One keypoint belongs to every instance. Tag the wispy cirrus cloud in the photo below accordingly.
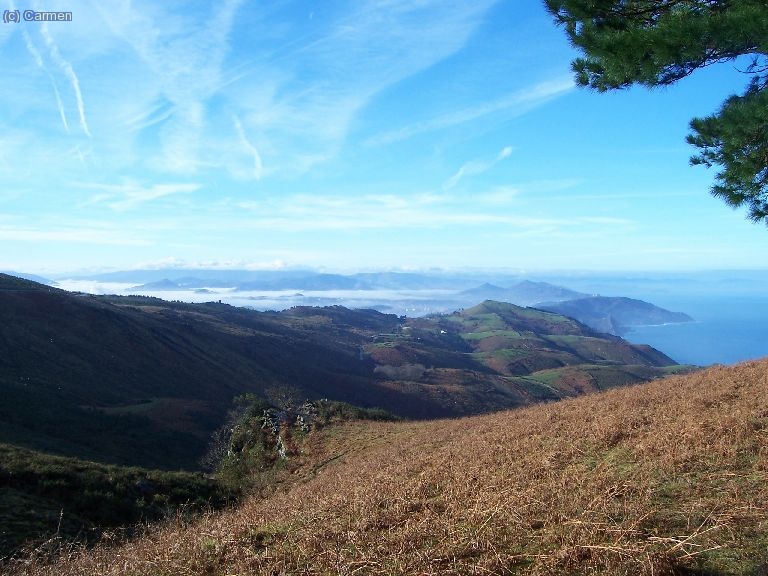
(250, 149)
(69, 72)
(38, 59)
(122, 197)
(313, 87)
(515, 104)
(533, 191)
(77, 234)
(499, 195)
(62, 65)
(426, 210)
(176, 78)
(181, 58)
(298, 93)
(475, 167)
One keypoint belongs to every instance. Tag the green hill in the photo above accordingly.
(501, 355)
(142, 381)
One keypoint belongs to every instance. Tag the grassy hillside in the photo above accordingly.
(141, 381)
(44, 496)
(670, 477)
(51, 502)
(498, 355)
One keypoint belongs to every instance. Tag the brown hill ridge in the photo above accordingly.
(668, 477)
(141, 381)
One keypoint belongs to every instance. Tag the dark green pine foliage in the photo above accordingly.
(658, 42)
(737, 139)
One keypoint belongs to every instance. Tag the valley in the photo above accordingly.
(373, 288)
(142, 385)
(664, 478)
(143, 381)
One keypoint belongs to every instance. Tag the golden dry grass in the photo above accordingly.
(644, 480)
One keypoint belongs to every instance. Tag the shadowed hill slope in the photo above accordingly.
(142, 381)
(670, 477)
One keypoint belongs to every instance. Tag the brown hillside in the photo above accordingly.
(141, 381)
(668, 477)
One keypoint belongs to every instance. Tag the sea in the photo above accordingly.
(726, 330)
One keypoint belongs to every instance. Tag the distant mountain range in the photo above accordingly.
(139, 380)
(283, 279)
(525, 293)
(612, 315)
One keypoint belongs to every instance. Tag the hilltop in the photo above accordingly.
(142, 381)
(615, 315)
(664, 478)
(525, 293)
(503, 356)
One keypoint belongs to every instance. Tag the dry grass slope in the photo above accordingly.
(664, 478)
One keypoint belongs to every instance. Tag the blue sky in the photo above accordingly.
(344, 135)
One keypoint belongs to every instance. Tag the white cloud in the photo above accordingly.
(182, 56)
(122, 197)
(141, 118)
(515, 104)
(317, 85)
(258, 167)
(36, 56)
(174, 262)
(302, 213)
(70, 235)
(476, 167)
(502, 195)
(157, 86)
(68, 71)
